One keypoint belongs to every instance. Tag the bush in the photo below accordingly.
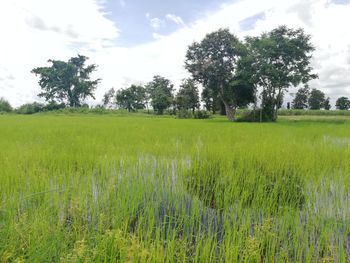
(201, 114)
(54, 106)
(31, 108)
(5, 106)
(252, 116)
(184, 114)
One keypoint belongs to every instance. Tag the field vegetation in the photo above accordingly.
(125, 188)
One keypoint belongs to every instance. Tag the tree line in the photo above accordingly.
(231, 73)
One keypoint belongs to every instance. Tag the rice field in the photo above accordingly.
(107, 188)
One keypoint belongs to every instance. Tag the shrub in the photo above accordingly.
(184, 114)
(54, 106)
(254, 116)
(31, 108)
(201, 114)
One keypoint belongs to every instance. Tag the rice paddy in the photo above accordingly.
(108, 188)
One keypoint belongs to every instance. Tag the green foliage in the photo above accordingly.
(327, 104)
(187, 97)
(119, 188)
(343, 103)
(30, 108)
(160, 90)
(133, 98)
(108, 98)
(184, 114)
(316, 99)
(220, 64)
(67, 82)
(300, 101)
(252, 116)
(5, 106)
(201, 114)
(281, 58)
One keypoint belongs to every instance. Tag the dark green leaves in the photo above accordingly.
(67, 82)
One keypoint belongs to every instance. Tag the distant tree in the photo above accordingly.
(343, 103)
(218, 63)
(207, 98)
(282, 59)
(108, 98)
(327, 104)
(300, 101)
(187, 96)
(31, 108)
(67, 82)
(5, 106)
(316, 99)
(132, 98)
(211, 101)
(160, 92)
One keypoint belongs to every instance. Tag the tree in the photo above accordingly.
(316, 99)
(281, 59)
(132, 98)
(108, 98)
(188, 96)
(327, 104)
(343, 103)
(301, 98)
(217, 63)
(211, 102)
(160, 92)
(5, 106)
(67, 82)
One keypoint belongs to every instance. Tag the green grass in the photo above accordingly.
(109, 188)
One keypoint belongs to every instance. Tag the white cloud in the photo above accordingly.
(176, 19)
(41, 30)
(156, 23)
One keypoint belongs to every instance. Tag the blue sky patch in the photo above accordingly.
(250, 22)
(142, 21)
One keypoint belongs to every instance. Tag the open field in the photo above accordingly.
(103, 188)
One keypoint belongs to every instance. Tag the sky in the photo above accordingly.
(133, 40)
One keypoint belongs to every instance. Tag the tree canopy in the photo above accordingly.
(316, 99)
(132, 98)
(217, 62)
(160, 91)
(342, 103)
(281, 58)
(108, 98)
(5, 106)
(67, 82)
(187, 96)
(300, 101)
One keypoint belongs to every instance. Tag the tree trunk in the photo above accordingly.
(230, 112)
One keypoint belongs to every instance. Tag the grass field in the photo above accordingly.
(90, 188)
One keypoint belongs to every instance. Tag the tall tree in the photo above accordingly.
(300, 101)
(343, 103)
(108, 98)
(281, 59)
(132, 98)
(160, 92)
(187, 96)
(215, 63)
(327, 104)
(67, 82)
(316, 99)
